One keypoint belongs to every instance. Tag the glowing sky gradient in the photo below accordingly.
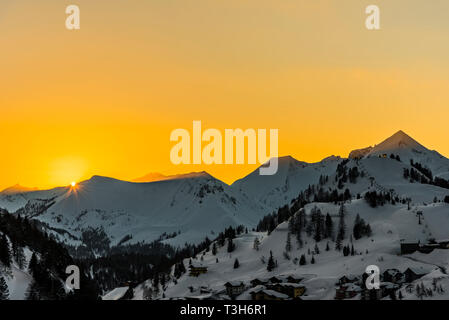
(104, 99)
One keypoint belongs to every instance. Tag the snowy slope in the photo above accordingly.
(390, 224)
(195, 204)
(15, 201)
(199, 205)
(292, 177)
(408, 149)
(17, 279)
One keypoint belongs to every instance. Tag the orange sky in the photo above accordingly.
(104, 99)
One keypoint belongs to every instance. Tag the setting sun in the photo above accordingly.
(73, 184)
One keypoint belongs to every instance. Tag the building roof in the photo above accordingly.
(234, 284)
(351, 287)
(392, 272)
(257, 289)
(350, 277)
(275, 294)
(260, 279)
(416, 270)
(289, 284)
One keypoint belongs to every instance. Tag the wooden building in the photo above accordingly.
(347, 291)
(412, 274)
(293, 290)
(195, 271)
(234, 288)
(266, 294)
(393, 276)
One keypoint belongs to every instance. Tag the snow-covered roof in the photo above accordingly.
(289, 284)
(418, 270)
(275, 294)
(234, 283)
(261, 279)
(392, 272)
(257, 289)
(351, 287)
(350, 277)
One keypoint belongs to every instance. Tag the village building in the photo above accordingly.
(196, 270)
(371, 294)
(295, 278)
(385, 289)
(408, 247)
(348, 279)
(293, 290)
(258, 281)
(411, 274)
(260, 293)
(347, 291)
(277, 279)
(234, 288)
(393, 275)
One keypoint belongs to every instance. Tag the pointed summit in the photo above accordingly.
(399, 140)
(398, 143)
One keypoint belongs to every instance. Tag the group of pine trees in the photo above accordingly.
(321, 227)
(421, 174)
(47, 264)
(344, 174)
(375, 199)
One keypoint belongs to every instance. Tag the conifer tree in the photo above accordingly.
(341, 227)
(271, 265)
(288, 243)
(236, 264)
(329, 227)
(18, 254)
(5, 253)
(4, 292)
(231, 245)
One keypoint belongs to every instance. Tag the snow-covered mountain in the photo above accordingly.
(198, 205)
(407, 149)
(389, 224)
(17, 188)
(292, 177)
(195, 204)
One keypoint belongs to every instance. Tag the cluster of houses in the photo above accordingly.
(408, 246)
(350, 286)
(274, 288)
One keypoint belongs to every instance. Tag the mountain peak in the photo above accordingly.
(17, 188)
(400, 140)
(397, 142)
